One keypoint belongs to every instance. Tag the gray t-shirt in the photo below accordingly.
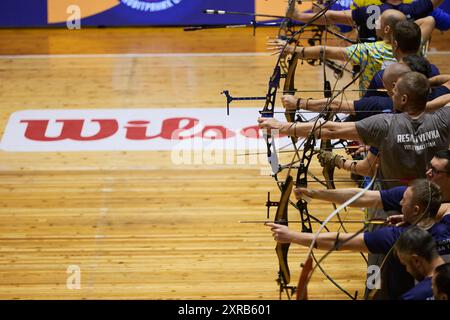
(406, 145)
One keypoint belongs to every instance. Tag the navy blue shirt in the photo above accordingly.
(367, 107)
(377, 82)
(437, 92)
(415, 10)
(421, 291)
(372, 105)
(391, 198)
(442, 19)
(396, 281)
(382, 240)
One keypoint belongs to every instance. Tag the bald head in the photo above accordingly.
(390, 17)
(392, 73)
(386, 22)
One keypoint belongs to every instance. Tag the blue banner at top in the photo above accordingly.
(39, 13)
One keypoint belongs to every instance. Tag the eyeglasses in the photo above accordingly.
(434, 170)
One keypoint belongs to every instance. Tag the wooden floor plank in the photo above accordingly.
(139, 226)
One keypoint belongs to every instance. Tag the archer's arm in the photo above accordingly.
(315, 52)
(317, 105)
(328, 130)
(370, 199)
(437, 103)
(439, 80)
(365, 167)
(325, 241)
(330, 17)
(426, 25)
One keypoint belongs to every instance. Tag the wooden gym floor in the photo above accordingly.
(138, 226)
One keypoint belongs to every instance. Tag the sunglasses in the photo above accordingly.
(434, 170)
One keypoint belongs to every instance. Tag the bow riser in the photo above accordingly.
(282, 215)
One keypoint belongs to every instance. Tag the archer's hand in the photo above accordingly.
(328, 158)
(280, 233)
(290, 102)
(396, 220)
(270, 124)
(303, 193)
(278, 46)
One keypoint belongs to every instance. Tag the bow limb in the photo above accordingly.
(289, 87)
(268, 112)
(288, 70)
(274, 83)
(281, 215)
(308, 270)
(289, 63)
(282, 249)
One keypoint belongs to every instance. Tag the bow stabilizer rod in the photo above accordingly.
(231, 99)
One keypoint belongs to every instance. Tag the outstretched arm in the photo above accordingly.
(437, 103)
(314, 52)
(439, 80)
(365, 167)
(330, 17)
(426, 25)
(370, 199)
(327, 130)
(325, 241)
(338, 105)
(335, 130)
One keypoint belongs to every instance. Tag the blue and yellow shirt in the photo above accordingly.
(372, 56)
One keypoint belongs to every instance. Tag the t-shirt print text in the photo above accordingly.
(419, 142)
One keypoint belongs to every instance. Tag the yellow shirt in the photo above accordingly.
(372, 56)
(365, 3)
